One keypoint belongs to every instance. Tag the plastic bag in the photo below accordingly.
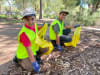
(40, 40)
(75, 38)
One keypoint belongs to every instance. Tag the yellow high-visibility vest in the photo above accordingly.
(21, 50)
(52, 34)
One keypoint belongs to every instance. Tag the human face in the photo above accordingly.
(30, 20)
(62, 16)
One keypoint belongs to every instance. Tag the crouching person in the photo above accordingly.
(28, 53)
(59, 31)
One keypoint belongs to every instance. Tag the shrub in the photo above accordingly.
(82, 17)
(15, 16)
(3, 16)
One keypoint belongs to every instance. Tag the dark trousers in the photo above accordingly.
(63, 38)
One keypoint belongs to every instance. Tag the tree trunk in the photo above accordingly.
(97, 4)
(40, 9)
(10, 7)
(23, 4)
(0, 8)
(95, 7)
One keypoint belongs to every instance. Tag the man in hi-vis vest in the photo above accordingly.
(27, 54)
(58, 35)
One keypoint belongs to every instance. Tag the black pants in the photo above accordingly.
(63, 38)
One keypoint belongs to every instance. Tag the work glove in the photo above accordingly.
(36, 66)
(78, 25)
(59, 48)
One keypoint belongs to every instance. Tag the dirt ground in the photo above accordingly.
(82, 60)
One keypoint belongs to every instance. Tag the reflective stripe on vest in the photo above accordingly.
(21, 50)
(51, 31)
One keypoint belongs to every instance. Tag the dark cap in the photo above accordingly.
(64, 11)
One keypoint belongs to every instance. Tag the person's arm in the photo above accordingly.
(56, 30)
(35, 64)
(58, 43)
(69, 26)
(57, 39)
(30, 54)
(72, 26)
(26, 42)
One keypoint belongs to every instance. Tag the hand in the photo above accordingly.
(59, 48)
(75, 26)
(36, 66)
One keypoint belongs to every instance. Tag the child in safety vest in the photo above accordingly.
(28, 53)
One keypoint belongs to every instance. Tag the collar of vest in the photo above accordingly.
(36, 30)
(25, 29)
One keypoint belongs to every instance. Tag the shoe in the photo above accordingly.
(15, 60)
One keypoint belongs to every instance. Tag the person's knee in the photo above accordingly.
(68, 39)
(66, 31)
(26, 64)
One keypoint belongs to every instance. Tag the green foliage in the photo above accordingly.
(82, 17)
(50, 16)
(51, 8)
(93, 1)
(15, 16)
(16, 21)
(3, 16)
(69, 4)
